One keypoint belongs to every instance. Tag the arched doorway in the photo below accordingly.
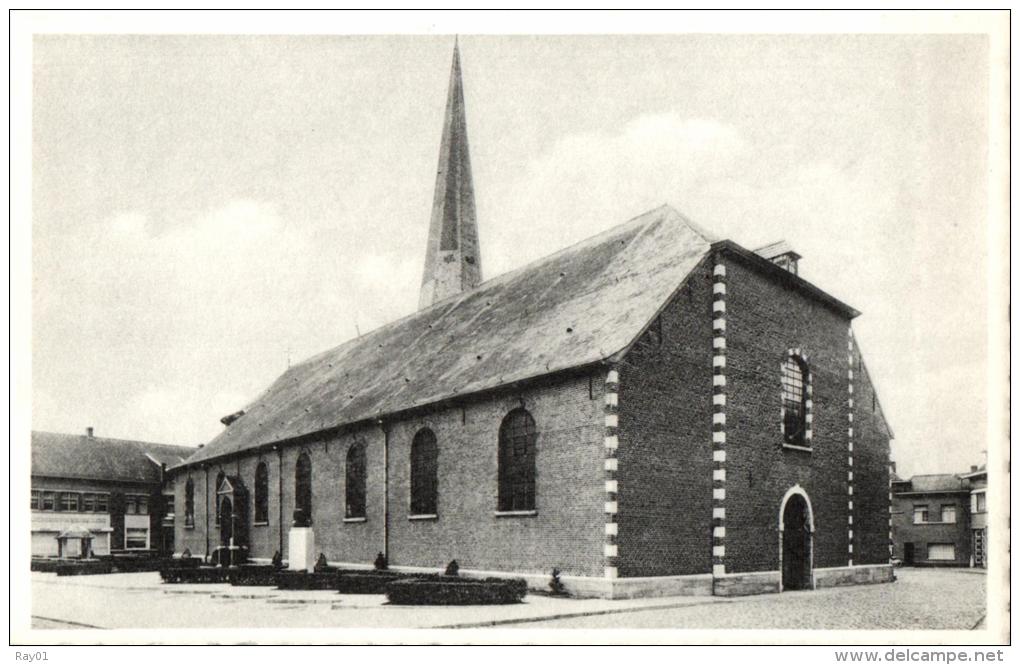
(226, 521)
(795, 534)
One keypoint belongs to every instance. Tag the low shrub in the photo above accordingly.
(299, 580)
(374, 581)
(87, 567)
(253, 575)
(200, 575)
(45, 565)
(456, 591)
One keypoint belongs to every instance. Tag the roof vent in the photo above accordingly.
(88, 432)
(781, 254)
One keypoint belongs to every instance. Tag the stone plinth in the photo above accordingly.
(301, 551)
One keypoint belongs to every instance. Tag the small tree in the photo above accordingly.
(320, 564)
(556, 585)
(186, 554)
(381, 563)
(452, 569)
(277, 560)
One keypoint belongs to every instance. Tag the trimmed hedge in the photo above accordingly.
(299, 580)
(45, 565)
(253, 575)
(201, 575)
(449, 590)
(374, 581)
(90, 567)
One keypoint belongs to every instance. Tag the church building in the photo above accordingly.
(652, 411)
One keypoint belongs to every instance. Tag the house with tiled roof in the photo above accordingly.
(106, 493)
(652, 411)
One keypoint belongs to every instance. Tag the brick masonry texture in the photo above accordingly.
(567, 532)
(665, 453)
(764, 320)
(921, 535)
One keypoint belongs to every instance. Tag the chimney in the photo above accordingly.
(780, 253)
(88, 432)
(973, 468)
(892, 465)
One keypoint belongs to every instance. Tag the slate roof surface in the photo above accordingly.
(937, 482)
(575, 307)
(79, 456)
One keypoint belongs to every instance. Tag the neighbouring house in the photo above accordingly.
(651, 411)
(940, 520)
(98, 496)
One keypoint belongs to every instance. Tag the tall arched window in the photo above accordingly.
(424, 474)
(261, 493)
(517, 461)
(303, 489)
(795, 381)
(355, 481)
(189, 503)
(216, 488)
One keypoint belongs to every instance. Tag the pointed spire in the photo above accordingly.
(452, 263)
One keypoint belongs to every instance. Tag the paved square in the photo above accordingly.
(919, 599)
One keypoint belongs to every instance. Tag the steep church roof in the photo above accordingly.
(578, 306)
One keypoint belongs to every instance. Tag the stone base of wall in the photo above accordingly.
(747, 584)
(868, 574)
(580, 586)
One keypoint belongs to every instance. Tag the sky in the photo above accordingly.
(208, 209)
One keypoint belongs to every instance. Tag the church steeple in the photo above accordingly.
(452, 263)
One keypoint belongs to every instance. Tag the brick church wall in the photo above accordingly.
(566, 533)
(765, 319)
(665, 454)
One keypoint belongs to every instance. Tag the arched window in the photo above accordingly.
(216, 488)
(517, 461)
(261, 493)
(303, 489)
(189, 503)
(424, 474)
(355, 481)
(795, 381)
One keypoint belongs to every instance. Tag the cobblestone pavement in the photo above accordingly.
(920, 599)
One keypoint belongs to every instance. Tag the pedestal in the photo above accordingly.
(301, 551)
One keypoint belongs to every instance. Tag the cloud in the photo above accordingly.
(588, 182)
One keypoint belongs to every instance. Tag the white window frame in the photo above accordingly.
(947, 547)
(135, 528)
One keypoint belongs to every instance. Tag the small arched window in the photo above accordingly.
(517, 437)
(355, 482)
(303, 489)
(261, 493)
(216, 488)
(189, 503)
(795, 382)
(424, 474)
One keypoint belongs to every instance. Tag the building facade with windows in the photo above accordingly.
(652, 411)
(938, 519)
(110, 494)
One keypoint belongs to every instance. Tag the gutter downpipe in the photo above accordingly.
(279, 452)
(386, 488)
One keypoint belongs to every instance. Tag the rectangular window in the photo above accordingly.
(102, 503)
(88, 503)
(136, 539)
(143, 504)
(949, 514)
(980, 503)
(69, 501)
(941, 552)
(36, 500)
(168, 505)
(920, 514)
(49, 501)
(130, 508)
